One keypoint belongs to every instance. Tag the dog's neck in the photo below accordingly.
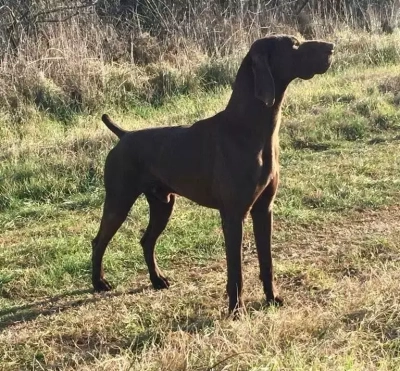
(246, 110)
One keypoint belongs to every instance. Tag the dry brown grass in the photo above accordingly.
(339, 279)
(92, 61)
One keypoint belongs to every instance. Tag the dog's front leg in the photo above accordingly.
(261, 214)
(232, 226)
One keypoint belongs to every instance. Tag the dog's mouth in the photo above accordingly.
(327, 58)
(326, 62)
(317, 62)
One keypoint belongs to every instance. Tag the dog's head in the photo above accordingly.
(284, 58)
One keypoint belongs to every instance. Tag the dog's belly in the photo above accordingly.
(202, 200)
(191, 180)
(193, 189)
(196, 193)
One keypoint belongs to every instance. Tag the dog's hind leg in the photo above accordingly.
(116, 209)
(160, 213)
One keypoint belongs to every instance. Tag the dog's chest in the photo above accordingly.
(267, 166)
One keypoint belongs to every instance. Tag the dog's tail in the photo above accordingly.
(119, 132)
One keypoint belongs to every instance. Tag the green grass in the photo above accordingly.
(336, 244)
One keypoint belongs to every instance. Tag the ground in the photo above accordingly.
(335, 245)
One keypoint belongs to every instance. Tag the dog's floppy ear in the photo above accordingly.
(264, 86)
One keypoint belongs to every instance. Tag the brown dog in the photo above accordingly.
(227, 162)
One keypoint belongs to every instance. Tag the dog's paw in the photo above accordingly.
(237, 313)
(276, 301)
(237, 310)
(159, 282)
(101, 285)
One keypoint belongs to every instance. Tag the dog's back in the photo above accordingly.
(155, 156)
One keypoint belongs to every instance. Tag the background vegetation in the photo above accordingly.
(158, 63)
(63, 58)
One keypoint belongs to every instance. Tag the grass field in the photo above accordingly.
(336, 244)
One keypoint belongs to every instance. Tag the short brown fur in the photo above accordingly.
(227, 162)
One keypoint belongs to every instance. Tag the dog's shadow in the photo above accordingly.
(193, 324)
(55, 304)
(136, 342)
